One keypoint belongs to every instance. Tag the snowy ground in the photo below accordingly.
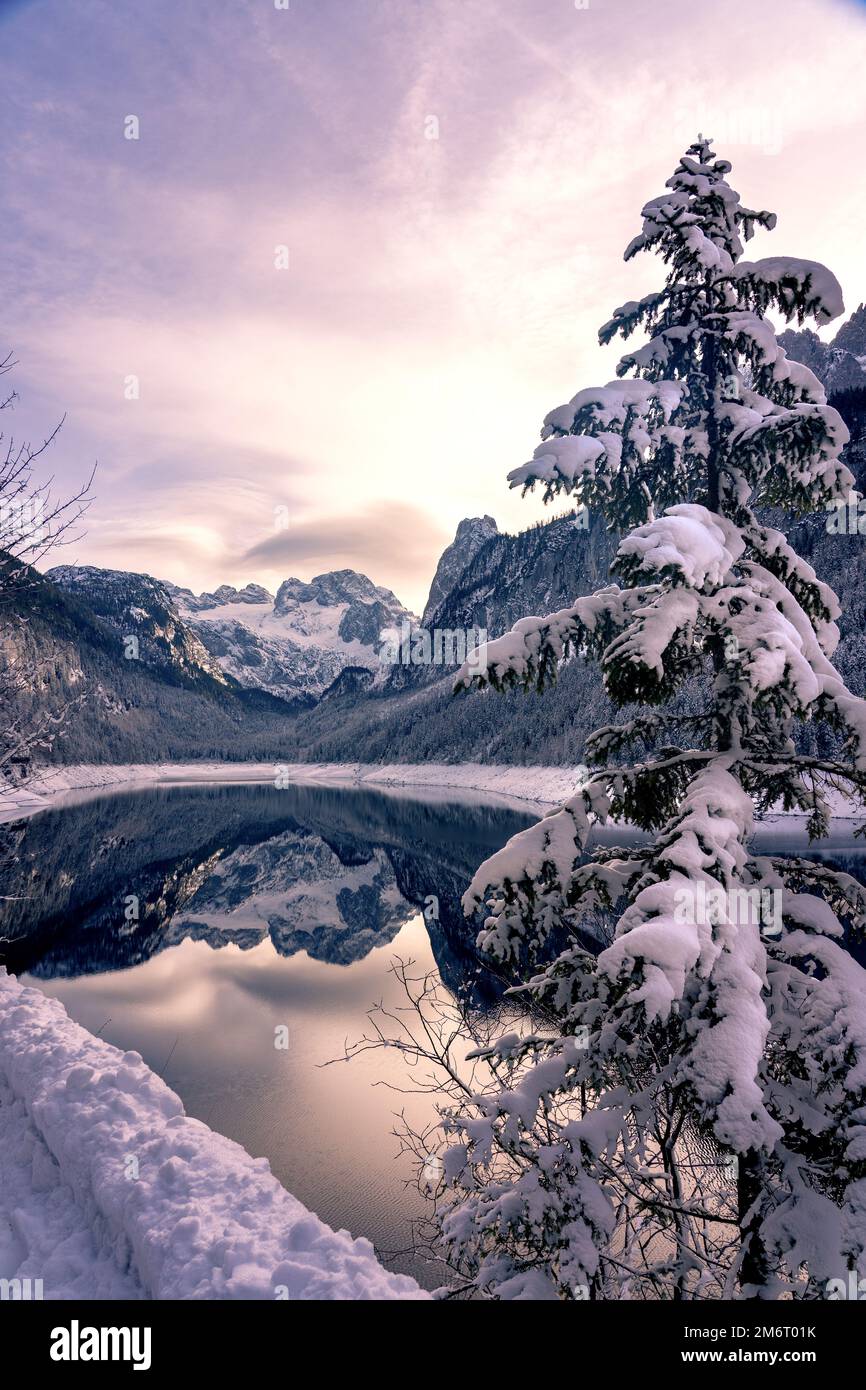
(107, 1190)
(541, 787)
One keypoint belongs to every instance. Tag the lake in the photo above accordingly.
(189, 923)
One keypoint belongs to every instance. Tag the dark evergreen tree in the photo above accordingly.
(691, 1121)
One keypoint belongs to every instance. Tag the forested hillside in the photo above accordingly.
(114, 709)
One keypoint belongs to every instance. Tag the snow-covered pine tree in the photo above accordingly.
(690, 1121)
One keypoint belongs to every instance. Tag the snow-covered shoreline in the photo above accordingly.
(541, 786)
(529, 786)
(108, 1190)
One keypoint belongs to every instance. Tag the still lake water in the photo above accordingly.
(258, 909)
(261, 909)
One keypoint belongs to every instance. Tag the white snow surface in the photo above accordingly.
(108, 1190)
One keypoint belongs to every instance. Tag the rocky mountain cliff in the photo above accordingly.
(473, 533)
(140, 612)
(126, 680)
(841, 364)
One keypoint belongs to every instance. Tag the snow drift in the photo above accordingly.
(156, 1203)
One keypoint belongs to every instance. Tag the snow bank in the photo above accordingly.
(127, 1197)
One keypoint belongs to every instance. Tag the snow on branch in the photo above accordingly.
(530, 653)
(592, 435)
(690, 544)
(525, 882)
(796, 287)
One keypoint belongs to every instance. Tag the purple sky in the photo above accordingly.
(442, 293)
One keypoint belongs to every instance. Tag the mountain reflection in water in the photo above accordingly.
(331, 872)
(189, 923)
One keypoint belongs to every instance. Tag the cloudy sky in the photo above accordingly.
(315, 312)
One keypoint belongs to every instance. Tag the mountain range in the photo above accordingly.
(296, 643)
(158, 672)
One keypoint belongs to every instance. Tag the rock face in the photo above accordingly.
(298, 642)
(473, 533)
(141, 611)
(509, 577)
(840, 365)
(852, 335)
(536, 571)
(352, 680)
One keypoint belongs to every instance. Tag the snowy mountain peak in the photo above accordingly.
(334, 587)
(225, 594)
(298, 642)
(141, 607)
(472, 533)
(293, 646)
